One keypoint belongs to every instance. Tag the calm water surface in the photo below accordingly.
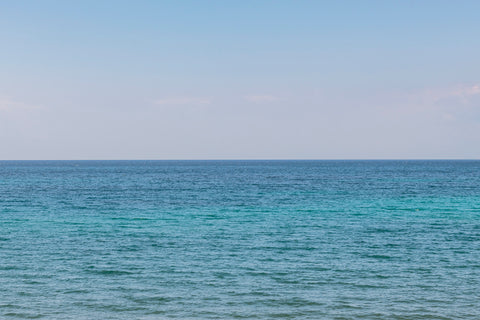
(240, 239)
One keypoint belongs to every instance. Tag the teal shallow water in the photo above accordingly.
(240, 239)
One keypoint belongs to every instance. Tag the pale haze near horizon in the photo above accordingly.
(239, 80)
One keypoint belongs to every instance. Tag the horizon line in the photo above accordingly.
(266, 159)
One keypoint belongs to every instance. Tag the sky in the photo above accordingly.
(239, 79)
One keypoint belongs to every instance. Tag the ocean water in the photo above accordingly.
(240, 240)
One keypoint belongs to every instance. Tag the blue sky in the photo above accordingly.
(239, 79)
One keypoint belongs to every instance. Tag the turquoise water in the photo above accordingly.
(240, 239)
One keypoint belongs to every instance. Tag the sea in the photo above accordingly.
(240, 239)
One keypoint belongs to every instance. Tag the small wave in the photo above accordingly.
(23, 315)
(109, 272)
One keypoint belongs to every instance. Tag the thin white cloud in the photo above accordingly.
(175, 101)
(467, 90)
(461, 92)
(9, 104)
(260, 98)
(447, 117)
(458, 102)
